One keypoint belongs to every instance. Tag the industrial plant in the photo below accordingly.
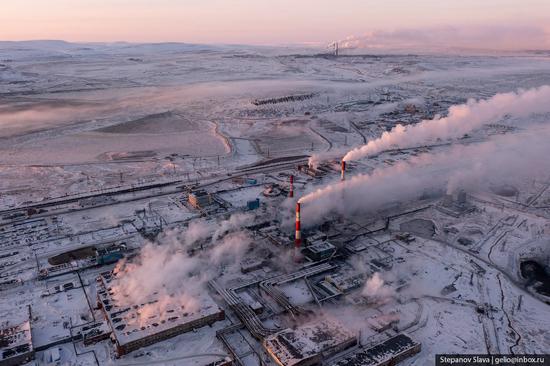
(133, 327)
(234, 206)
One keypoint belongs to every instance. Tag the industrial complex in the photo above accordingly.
(267, 208)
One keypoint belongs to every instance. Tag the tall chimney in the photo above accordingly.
(298, 237)
(343, 171)
(291, 190)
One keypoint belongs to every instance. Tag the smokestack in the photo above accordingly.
(298, 237)
(291, 190)
(343, 171)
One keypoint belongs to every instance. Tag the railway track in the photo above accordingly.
(59, 201)
(77, 197)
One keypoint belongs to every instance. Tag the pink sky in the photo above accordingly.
(268, 21)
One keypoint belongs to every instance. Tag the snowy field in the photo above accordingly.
(171, 108)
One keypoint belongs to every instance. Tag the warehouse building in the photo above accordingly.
(390, 352)
(200, 199)
(308, 344)
(319, 250)
(131, 330)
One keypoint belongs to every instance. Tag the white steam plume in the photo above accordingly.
(461, 119)
(506, 159)
(376, 290)
(197, 230)
(169, 273)
(315, 159)
(236, 221)
(446, 38)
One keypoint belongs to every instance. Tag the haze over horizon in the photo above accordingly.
(491, 24)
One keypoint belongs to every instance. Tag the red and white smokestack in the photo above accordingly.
(343, 171)
(291, 190)
(298, 237)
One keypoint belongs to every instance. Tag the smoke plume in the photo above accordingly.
(234, 222)
(503, 37)
(197, 230)
(376, 290)
(502, 160)
(460, 120)
(169, 273)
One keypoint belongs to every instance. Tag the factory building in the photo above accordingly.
(388, 353)
(327, 168)
(383, 322)
(345, 283)
(16, 345)
(456, 205)
(253, 204)
(199, 199)
(130, 331)
(308, 344)
(319, 250)
(316, 172)
(252, 264)
(94, 333)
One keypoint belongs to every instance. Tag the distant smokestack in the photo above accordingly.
(343, 171)
(298, 237)
(291, 190)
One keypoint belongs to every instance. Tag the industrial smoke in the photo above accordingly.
(460, 120)
(502, 160)
(376, 290)
(169, 272)
(298, 234)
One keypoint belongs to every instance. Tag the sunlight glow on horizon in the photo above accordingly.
(252, 21)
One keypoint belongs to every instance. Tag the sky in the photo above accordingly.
(275, 21)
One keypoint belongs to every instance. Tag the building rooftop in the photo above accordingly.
(346, 282)
(15, 341)
(155, 315)
(398, 346)
(292, 346)
(199, 193)
(320, 246)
